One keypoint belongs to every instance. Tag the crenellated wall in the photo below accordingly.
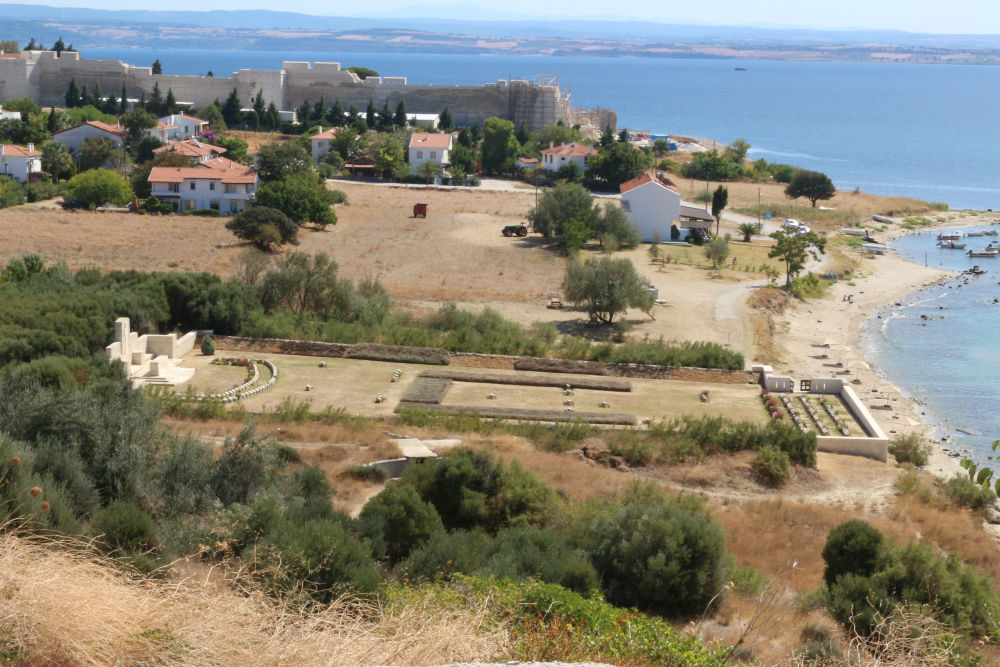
(44, 77)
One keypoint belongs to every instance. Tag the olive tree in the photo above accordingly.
(607, 287)
(717, 251)
(794, 250)
(100, 186)
(265, 226)
(812, 185)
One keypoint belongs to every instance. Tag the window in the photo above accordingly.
(626, 206)
(173, 187)
(191, 185)
(214, 205)
(230, 188)
(211, 185)
(434, 155)
(420, 155)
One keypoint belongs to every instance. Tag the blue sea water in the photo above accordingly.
(924, 131)
(939, 345)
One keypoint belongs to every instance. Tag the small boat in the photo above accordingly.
(875, 248)
(984, 253)
(977, 233)
(883, 218)
(949, 236)
(975, 271)
(740, 69)
(951, 245)
(989, 232)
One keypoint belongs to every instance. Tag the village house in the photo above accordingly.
(219, 184)
(427, 147)
(9, 115)
(526, 163)
(180, 126)
(653, 204)
(197, 152)
(321, 142)
(20, 162)
(73, 137)
(555, 157)
(161, 131)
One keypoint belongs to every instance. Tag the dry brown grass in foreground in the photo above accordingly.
(64, 605)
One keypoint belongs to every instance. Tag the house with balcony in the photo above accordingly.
(429, 147)
(555, 157)
(220, 184)
(22, 163)
(161, 131)
(180, 126)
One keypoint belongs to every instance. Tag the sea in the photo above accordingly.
(939, 344)
(923, 131)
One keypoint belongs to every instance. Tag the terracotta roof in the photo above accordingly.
(429, 140)
(181, 174)
(160, 125)
(646, 178)
(184, 115)
(190, 148)
(527, 160)
(326, 134)
(571, 150)
(222, 163)
(100, 125)
(13, 150)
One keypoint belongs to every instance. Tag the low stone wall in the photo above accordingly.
(305, 348)
(872, 448)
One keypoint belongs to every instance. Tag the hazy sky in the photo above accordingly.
(960, 16)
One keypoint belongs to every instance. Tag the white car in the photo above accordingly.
(794, 225)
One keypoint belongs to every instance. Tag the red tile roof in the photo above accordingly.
(190, 148)
(326, 134)
(428, 140)
(184, 115)
(180, 174)
(646, 178)
(571, 150)
(13, 150)
(100, 125)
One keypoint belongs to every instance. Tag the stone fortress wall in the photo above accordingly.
(44, 77)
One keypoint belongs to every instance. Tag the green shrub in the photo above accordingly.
(910, 448)
(851, 548)
(124, 526)
(659, 556)
(365, 473)
(772, 465)
(446, 554)
(401, 519)
(42, 190)
(205, 212)
(965, 493)
(207, 346)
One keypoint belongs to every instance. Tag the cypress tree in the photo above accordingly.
(72, 96)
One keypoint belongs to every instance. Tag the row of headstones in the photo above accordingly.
(243, 391)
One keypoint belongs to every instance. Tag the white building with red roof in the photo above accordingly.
(429, 147)
(322, 142)
(20, 162)
(72, 138)
(555, 157)
(653, 204)
(181, 126)
(220, 184)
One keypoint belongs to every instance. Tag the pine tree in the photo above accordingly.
(59, 47)
(170, 106)
(370, 115)
(445, 121)
(319, 111)
(384, 116)
(336, 115)
(399, 120)
(72, 96)
(98, 98)
(273, 119)
(258, 104)
(156, 101)
(157, 67)
(231, 108)
(51, 124)
(85, 96)
(123, 107)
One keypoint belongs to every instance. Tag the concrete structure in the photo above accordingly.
(427, 121)
(151, 358)
(197, 152)
(44, 77)
(874, 444)
(321, 142)
(555, 158)
(220, 184)
(72, 138)
(180, 126)
(526, 163)
(20, 162)
(9, 115)
(652, 204)
(426, 147)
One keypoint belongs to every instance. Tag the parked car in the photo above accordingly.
(793, 225)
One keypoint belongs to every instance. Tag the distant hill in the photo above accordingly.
(290, 31)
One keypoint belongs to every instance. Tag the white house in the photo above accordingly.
(180, 126)
(321, 142)
(9, 115)
(73, 137)
(526, 163)
(220, 184)
(20, 162)
(426, 120)
(197, 152)
(653, 204)
(161, 131)
(427, 147)
(555, 158)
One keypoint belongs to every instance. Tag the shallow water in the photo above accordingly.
(940, 344)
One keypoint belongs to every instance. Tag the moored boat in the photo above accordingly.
(949, 236)
(987, 252)
(975, 271)
(883, 218)
(951, 245)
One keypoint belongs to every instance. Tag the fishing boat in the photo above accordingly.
(986, 252)
(951, 245)
(949, 236)
(990, 232)
(975, 271)
(976, 233)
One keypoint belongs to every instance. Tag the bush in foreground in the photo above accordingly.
(910, 448)
(772, 465)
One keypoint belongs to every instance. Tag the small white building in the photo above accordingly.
(180, 126)
(72, 138)
(9, 115)
(425, 120)
(20, 162)
(653, 204)
(526, 163)
(161, 131)
(220, 184)
(429, 147)
(321, 142)
(555, 157)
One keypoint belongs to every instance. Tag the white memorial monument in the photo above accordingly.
(151, 358)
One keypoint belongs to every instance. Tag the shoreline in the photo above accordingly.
(832, 321)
